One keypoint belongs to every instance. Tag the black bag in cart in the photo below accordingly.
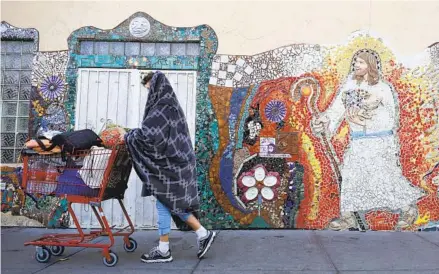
(77, 140)
(72, 141)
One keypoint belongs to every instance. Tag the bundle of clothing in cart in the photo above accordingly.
(71, 162)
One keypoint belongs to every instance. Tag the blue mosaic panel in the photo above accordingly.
(138, 48)
(87, 48)
(27, 47)
(117, 48)
(192, 49)
(132, 49)
(101, 48)
(178, 49)
(9, 109)
(147, 49)
(163, 49)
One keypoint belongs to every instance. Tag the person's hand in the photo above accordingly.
(319, 124)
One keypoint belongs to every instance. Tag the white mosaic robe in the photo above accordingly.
(371, 174)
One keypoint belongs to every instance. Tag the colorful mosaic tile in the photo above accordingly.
(49, 92)
(49, 211)
(241, 71)
(353, 132)
(338, 149)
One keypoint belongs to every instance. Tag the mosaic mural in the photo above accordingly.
(27, 209)
(304, 136)
(49, 93)
(324, 137)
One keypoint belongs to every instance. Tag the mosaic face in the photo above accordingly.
(361, 67)
(139, 27)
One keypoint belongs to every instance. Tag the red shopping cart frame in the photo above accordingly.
(86, 177)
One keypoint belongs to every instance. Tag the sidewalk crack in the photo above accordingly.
(417, 234)
(322, 247)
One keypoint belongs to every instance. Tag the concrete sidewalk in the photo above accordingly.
(270, 251)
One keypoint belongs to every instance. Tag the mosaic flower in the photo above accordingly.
(52, 87)
(275, 111)
(258, 182)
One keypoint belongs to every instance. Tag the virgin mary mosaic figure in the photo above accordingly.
(372, 177)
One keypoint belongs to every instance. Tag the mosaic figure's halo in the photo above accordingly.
(374, 53)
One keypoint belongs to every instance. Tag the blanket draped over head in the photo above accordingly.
(162, 152)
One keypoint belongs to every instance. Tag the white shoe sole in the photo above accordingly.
(208, 245)
(168, 260)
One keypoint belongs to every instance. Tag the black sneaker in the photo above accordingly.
(156, 256)
(205, 243)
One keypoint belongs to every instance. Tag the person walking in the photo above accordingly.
(164, 159)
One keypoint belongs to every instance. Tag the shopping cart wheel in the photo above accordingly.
(131, 247)
(113, 259)
(42, 255)
(57, 250)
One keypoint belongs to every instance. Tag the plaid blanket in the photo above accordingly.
(162, 152)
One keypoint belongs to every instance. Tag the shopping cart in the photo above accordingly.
(86, 177)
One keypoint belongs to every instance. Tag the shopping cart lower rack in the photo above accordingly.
(86, 177)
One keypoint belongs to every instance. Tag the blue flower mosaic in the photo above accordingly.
(275, 111)
(52, 88)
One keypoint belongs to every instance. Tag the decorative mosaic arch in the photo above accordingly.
(141, 27)
(9, 32)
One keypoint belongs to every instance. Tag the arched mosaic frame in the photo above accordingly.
(22, 43)
(157, 32)
(10, 32)
(153, 31)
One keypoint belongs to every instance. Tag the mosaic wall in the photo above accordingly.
(139, 42)
(324, 137)
(20, 208)
(296, 137)
(35, 82)
(49, 93)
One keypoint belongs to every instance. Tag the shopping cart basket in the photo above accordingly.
(86, 177)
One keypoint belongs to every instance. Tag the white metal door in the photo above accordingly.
(118, 95)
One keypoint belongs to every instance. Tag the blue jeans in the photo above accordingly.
(164, 221)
